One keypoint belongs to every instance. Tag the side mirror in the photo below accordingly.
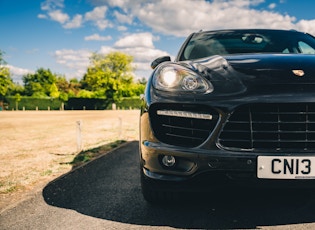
(159, 60)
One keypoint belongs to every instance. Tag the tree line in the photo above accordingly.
(108, 77)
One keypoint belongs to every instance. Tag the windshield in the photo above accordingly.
(206, 44)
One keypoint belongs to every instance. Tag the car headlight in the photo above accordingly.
(180, 79)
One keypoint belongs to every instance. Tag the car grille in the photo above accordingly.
(271, 127)
(182, 125)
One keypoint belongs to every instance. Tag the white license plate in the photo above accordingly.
(273, 167)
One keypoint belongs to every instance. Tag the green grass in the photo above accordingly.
(46, 173)
(8, 187)
(88, 155)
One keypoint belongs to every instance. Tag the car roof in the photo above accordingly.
(247, 30)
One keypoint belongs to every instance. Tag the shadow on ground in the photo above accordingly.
(109, 188)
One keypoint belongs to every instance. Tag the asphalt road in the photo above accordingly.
(105, 194)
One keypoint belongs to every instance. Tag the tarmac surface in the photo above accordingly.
(106, 194)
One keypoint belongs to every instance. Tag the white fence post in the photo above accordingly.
(79, 136)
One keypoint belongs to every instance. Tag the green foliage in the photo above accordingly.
(5, 81)
(109, 75)
(100, 104)
(127, 103)
(5, 78)
(85, 94)
(91, 154)
(29, 103)
(54, 92)
(86, 104)
(2, 61)
(71, 88)
(39, 83)
(17, 97)
(63, 96)
(16, 89)
(108, 78)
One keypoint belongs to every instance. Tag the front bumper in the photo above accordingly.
(191, 163)
(210, 163)
(198, 169)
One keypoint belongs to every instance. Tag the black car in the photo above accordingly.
(235, 107)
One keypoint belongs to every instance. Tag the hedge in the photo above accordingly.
(29, 103)
(127, 103)
(86, 104)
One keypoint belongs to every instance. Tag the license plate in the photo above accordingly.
(273, 167)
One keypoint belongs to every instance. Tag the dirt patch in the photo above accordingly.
(38, 146)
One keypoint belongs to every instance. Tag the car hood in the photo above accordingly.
(257, 74)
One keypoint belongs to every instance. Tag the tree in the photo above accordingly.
(54, 92)
(5, 78)
(5, 81)
(67, 89)
(109, 75)
(17, 100)
(40, 84)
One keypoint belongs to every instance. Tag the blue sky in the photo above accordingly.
(61, 34)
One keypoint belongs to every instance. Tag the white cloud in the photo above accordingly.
(136, 40)
(122, 28)
(142, 56)
(171, 18)
(97, 37)
(76, 22)
(306, 26)
(50, 5)
(98, 13)
(55, 12)
(98, 17)
(75, 60)
(59, 16)
(66, 56)
(140, 46)
(207, 15)
(123, 18)
(272, 6)
(103, 24)
(107, 49)
(17, 73)
(42, 16)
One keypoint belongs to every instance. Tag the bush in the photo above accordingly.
(100, 104)
(86, 104)
(128, 103)
(30, 103)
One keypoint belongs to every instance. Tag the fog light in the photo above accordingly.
(168, 161)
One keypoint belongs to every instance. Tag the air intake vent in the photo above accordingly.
(182, 125)
(271, 127)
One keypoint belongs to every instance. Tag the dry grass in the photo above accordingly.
(38, 146)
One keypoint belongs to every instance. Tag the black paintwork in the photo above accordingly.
(237, 79)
